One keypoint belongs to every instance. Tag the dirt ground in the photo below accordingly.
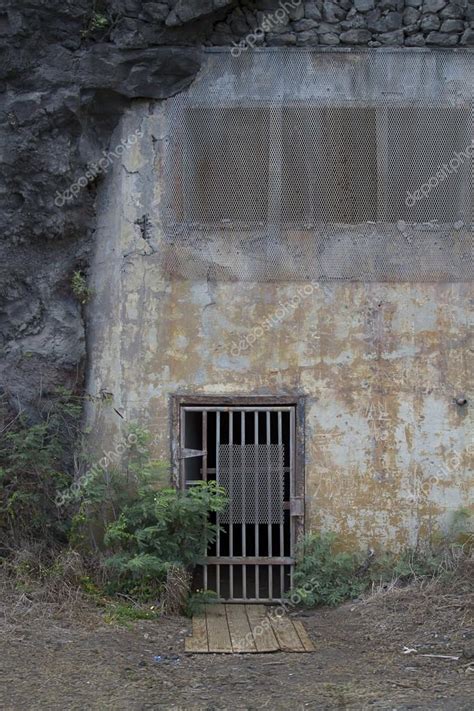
(68, 657)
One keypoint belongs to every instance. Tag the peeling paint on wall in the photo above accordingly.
(388, 450)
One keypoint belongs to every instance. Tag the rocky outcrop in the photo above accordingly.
(65, 85)
(67, 70)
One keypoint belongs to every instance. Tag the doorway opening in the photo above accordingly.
(249, 450)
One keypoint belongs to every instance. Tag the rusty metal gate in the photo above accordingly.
(250, 451)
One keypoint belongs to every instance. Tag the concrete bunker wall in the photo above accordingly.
(380, 365)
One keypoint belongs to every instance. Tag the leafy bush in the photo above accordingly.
(149, 534)
(323, 576)
(162, 528)
(36, 462)
(101, 492)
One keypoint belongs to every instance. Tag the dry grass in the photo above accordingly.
(359, 660)
(176, 591)
(455, 571)
(31, 589)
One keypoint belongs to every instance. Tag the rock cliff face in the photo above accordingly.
(67, 70)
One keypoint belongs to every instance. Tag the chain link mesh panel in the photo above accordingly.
(252, 475)
(294, 165)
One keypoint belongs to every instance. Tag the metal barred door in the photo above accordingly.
(250, 452)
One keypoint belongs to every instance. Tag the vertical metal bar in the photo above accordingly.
(269, 525)
(244, 494)
(204, 445)
(257, 571)
(204, 476)
(182, 462)
(281, 478)
(292, 488)
(218, 543)
(231, 512)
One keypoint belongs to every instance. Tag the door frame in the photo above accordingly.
(181, 400)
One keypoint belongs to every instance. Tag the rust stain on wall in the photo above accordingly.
(388, 450)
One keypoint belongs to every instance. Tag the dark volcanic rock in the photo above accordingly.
(355, 36)
(185, 11)
(63, 93)
(154, 73)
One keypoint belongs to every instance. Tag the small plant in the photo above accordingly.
(198, 600)
(322, 575)
(126, 612)
(99, 21)
(325, 576)
(80, 289)
(462, 528)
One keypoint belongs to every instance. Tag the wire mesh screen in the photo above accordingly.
(215, 139)
(329, 165)
(252, 475)
(293, 165)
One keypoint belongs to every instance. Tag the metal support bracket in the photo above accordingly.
(188, 453)
(297, 506)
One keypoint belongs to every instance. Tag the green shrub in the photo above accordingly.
(158, 529)
(35, 462)
(323, 576)
(101, 493)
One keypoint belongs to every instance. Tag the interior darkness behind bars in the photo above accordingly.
(262, 540)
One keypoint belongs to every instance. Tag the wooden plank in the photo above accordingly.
(198, 642)
(263, 635)
(303, 635)
(242, 628)
(239, 629)
(217, 629)
(286, 635)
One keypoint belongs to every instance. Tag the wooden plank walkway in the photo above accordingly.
(243, 628)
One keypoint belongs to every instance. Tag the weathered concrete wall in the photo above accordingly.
(381, 365)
